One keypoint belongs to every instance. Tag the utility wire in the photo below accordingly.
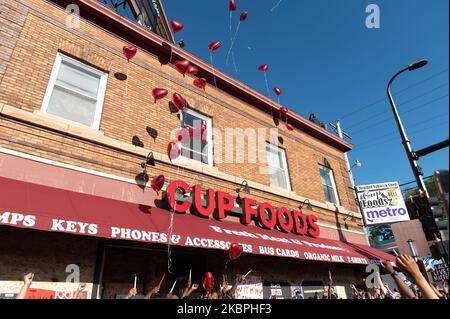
(400, 104)
(357, 110)
(396, 131)
(406, 112)
(394, 138)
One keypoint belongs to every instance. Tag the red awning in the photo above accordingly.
(27, 205)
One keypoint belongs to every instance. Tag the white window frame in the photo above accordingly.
(284, 162)
(208, 121)
(100, 93)
(333, 183)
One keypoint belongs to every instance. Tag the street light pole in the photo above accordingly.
(405, 141)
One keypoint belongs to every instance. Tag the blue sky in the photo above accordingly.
(325, 59)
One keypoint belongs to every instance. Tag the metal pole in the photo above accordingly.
(432, 148)
(419, 263)
(405, 141)
(352, 181)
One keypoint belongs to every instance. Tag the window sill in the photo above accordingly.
(70, 126)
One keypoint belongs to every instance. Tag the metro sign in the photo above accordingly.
(220, 204)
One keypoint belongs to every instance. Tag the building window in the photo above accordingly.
(328, 184)
(198, 148)
(278, 170)
(75, 92)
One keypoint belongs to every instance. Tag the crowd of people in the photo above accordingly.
(420, 288)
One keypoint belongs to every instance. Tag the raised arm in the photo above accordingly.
(408, 265)
(187, 293)
(77, 292)
(131, 293)
(403, 288)
(152, 292)
(27, 280)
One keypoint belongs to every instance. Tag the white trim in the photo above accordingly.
(284, 162)
(208, 134)
(100, 93)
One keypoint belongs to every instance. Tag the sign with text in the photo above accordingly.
(382, 203)
(250, 288)
(440, 272)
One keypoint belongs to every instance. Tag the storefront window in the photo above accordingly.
(328, 184)
(75, 92)
(278, 171)
(198, 147)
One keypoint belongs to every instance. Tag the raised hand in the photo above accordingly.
(28, 279)
(131, 293)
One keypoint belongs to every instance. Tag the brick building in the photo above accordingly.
(76, 122)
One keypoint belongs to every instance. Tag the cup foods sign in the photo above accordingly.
(382, 203)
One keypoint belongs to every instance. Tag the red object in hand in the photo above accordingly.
(277, 91)
(235, 251)
(284, 110)
(208, 282)
(213, 46)
(200, 83)
(192, 70)
(289, 127)
(243, 16)
(263, 68)
(232, 5)
(157, 183)
(176, 25)
(159, 93)
(179, 101)
(182, 66)
(173, 151)
(129, 52)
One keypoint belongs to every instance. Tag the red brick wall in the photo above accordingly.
(35, 31)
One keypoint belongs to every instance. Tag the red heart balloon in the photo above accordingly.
(208, 282)
(182, 66)
(159, 93)
(264, 67)
(173, 151)
(176, 26)
(289, 127)
(235, 251)
(243, 16)
(232, 5)
(284, 110)
(213, 46)
(157, 183)
(129, 51)
(277, 91)
(200, 83)
(178, 100)
(192, 70)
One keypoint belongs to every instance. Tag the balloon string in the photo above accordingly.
(126, 82)
(233, 41)
(226, 266)
(213, 70)
(170, 230)
(234, 62)
(267, 85)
